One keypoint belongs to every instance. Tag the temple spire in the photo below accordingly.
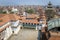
(49, 4)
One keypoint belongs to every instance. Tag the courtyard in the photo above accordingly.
(25, 34)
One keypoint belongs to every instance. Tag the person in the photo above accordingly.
(39, 35)
(44, 36)
(46, 29)
(48, 34)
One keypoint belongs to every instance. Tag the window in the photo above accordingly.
(23, 23)
(26, 23)
(29, 23)
(37, 24)
(34, 23)
(29, 18)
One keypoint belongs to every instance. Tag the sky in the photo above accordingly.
(28, 2)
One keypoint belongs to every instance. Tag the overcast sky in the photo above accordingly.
(28, 2)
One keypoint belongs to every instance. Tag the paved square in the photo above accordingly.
(25, 34)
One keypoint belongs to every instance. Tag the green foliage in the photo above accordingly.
(2, 12)
(12, 12)
(50, 14)
(29, 11)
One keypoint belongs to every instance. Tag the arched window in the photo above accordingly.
(37, 24)
(34, 23)
(23, 23)
(26, 23)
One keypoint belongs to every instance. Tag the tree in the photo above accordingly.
(29, 11)
(50, 14)
(2, 12)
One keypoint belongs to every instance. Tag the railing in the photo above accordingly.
(53, 23)
(2, 35)
(7, 23)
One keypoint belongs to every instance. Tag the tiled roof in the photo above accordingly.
(6, 18)
(13, 17)
(32, 16)
(34, 20)
(1, 15)
(30, 21)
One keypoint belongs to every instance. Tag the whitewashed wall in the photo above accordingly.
(8, 33)
(2, 35)
(16, 29)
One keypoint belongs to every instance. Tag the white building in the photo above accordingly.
(7, 26)
(24, 14)
(6, 31)
(14, 10)
(16, 25)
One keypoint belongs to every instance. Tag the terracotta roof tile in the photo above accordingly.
(13, 17)
(1, 15)
(6, 18)
(24, 20)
